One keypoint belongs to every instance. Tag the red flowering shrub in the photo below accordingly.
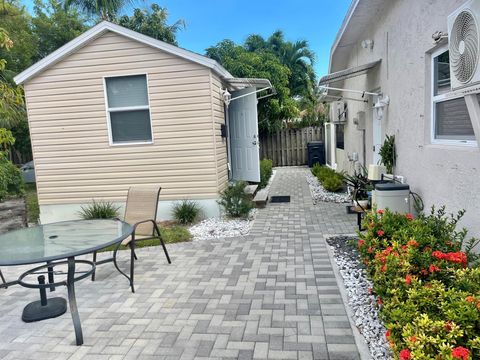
(461, 353)
(405, 354)
(429, 297)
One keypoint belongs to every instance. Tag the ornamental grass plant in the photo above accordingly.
(427, 283)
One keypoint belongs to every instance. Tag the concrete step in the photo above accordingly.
(261, 199)
(250, 190)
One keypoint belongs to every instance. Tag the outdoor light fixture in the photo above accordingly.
(379, 106)
(367, 44)
(227, 97)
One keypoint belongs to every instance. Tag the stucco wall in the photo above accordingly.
(441, 174)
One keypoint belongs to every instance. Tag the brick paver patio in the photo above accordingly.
(271, 294)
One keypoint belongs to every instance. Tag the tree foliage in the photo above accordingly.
(11, 99)
(289, 67)
(153, 22)
(259, 64)
(297, 56)
(54, 27)
(102, 9)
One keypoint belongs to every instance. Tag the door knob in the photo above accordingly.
(254, 143)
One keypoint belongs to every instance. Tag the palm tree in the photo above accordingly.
(104, 9)
(298, 57)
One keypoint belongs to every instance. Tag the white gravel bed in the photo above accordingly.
(320, 194)
(361, 301)
(221, 227)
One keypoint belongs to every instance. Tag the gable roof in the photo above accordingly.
(360, 16)
(100, 29)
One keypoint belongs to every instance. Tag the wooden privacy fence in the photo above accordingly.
(288, 147)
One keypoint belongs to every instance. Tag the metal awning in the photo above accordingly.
(242, 83)
(348, 73)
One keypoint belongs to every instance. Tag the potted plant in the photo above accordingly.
(359, 185)
(388, 154)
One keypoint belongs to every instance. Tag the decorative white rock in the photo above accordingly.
(319, 193)
(362, 303)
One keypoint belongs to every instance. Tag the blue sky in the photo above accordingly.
(210, 21)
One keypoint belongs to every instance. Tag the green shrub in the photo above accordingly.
(186, 211)
(11, 182)
(329, 178)
(332, 183)
(428, 295)
(316, 169)
(266, 170)
(99, 210)
(234, 200)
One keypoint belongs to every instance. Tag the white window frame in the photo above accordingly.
(441, 98)
(126, 108)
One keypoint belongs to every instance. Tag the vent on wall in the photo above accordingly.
(463, 43)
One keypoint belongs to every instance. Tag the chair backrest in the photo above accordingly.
(141, 205)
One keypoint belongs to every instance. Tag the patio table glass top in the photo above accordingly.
(60, 240)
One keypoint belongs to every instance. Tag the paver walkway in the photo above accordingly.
(271, 294)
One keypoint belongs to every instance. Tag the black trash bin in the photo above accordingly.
(316, 153)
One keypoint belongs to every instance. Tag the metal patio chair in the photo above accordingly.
(141, 213)
(3, 279)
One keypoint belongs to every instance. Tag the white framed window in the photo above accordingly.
(451, 122)
(128, 110)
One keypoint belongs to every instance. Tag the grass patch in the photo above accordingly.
(171, 234)
(31, 200)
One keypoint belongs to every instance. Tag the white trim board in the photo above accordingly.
(102, 28)
(62, 212)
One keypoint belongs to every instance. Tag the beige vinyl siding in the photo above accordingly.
(74, 162)
(220, 143)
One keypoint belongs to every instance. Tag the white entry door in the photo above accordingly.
(244, 142)
(376, 134)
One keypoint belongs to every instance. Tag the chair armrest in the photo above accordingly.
(143, 222)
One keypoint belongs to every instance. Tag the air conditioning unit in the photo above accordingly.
(463, 43)
(341, 112)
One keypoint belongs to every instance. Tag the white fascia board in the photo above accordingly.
(99, 30)
(341, 31)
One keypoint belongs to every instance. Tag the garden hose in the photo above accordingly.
(417, 202)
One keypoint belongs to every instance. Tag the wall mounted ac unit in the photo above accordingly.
(463, 43)
(341, 112)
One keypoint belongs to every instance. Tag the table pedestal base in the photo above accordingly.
(35, 311)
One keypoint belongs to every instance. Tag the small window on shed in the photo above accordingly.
(128, 109)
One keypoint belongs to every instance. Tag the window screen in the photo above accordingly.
(128, 109)
(451, 120)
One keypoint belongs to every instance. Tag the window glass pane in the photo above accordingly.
(128, 126)
(441, 72)
(452, 120)
(127, 91)
(339, 134)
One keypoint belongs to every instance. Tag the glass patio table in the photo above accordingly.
(57, 245)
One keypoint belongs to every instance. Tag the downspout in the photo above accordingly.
(229, 155)
(213, 132)
(364, 155)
